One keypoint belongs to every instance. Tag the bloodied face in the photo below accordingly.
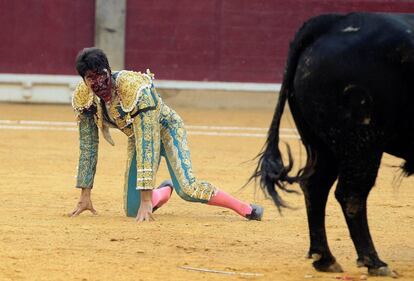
(100, 83)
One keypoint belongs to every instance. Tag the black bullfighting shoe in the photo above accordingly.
(164, 184)
(256, 214)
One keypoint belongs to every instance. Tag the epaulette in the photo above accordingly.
(129, 85)
(82, 98)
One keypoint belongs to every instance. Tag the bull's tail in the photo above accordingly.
(271, 169)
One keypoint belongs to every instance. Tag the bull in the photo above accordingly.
(350, 88)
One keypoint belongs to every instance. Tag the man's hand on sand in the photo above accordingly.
(85, 203)
(145, 208)
(145, 212)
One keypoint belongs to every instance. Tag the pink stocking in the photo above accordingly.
(223, 199)
(160, 196)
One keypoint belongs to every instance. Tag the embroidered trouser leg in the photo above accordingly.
(175, 150)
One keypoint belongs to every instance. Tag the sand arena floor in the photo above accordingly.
(39, 242)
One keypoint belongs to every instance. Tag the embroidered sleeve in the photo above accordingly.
(88, 143)
(82, 98)
(147, 136)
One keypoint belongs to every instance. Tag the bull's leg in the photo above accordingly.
(316, 189)
(356, 178)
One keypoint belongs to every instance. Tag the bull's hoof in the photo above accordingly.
(326, 264)
(360, 263)
(383, 271)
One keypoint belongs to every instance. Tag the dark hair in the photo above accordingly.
(91, 59)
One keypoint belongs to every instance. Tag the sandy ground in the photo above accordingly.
(39, 242)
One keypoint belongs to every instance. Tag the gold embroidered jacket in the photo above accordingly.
(135, 110)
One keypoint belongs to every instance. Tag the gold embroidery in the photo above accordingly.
(147, 136)
(129, 85)
(120, 122)
(175, 144)
(88, 156)
(82, 98)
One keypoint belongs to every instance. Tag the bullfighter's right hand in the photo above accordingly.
(84, 203)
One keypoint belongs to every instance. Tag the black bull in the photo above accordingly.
(349, 81)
